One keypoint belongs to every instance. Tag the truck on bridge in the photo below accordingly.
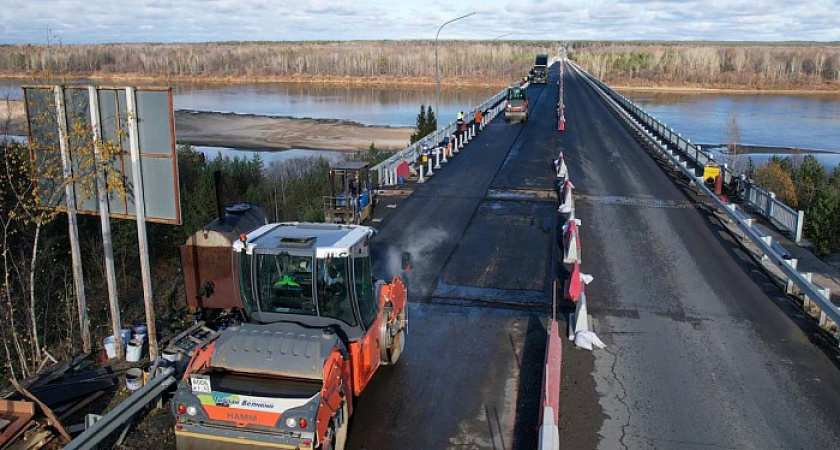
(316, 327)
(539, 74)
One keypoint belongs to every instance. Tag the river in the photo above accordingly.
(770, 120)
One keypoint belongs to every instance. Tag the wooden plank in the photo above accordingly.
(47, 411)
(17, 416)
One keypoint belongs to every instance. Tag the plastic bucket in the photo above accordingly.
(139, 329)
(170, 355)
(134, 351)
(110, 350)
(126, 336)
(133, 379)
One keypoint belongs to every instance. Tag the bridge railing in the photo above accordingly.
(412, 152)
(812, 294)
(782, 216)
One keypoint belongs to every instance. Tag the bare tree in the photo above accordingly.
(735, 157)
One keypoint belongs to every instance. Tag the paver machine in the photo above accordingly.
(351, 195)
(316, 328)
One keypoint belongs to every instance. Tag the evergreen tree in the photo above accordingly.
(431, 121)
(423, 123)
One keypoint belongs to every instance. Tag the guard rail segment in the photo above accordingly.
(410, 153)
(813, 293)
(785, 218)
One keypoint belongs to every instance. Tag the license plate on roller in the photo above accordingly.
(200, 384)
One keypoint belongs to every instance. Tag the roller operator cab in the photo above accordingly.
(539, 74)
(318, 328)
(516, 106)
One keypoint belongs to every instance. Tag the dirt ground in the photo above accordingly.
(281, 133)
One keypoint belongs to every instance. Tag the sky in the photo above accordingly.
(98, 21)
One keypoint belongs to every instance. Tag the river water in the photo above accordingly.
(793, 121)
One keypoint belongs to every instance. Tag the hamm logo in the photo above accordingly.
(239, 417)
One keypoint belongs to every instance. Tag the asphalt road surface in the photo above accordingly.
(471, 371)
(703, 350)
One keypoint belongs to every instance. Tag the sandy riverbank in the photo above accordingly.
(254, 132)
(281, 133)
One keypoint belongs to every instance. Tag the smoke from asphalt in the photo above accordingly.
(421, 246)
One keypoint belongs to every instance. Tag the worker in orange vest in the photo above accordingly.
(478, 116)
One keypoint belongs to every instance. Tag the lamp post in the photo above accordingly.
(437, 74)
(490, 81)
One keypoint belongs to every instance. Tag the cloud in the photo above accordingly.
(91, 21)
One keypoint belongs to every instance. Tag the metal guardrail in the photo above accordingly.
(411, 153)
(781, 215)
(785, 218)
(812, 293)
(120, 415)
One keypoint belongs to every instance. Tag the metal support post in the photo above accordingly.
(72, 225)
(140, 210)
(105, 221)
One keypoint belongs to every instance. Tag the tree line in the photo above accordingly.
(467, 61)
(805, 184)
(713, 65)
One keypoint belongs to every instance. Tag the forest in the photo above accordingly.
(759, 66)
(463, 62)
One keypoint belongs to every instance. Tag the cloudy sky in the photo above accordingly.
(86, 21)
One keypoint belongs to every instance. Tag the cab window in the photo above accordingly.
(334, 290)
(363, 284)
(285, 284)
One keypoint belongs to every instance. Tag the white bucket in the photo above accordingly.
(133, 379)
(134, 351)
(110, 350)
(170, 355)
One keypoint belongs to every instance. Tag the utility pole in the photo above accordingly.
(437, 72)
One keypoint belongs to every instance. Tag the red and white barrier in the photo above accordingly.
(579, 320)
(560, 166)
(561, 124)
(576, 283)
(549, 434)
(571, 242)
(567, 203)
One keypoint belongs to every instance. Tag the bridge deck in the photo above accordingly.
(703, 350)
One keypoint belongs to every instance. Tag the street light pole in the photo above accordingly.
(437, 73)
(490, 81)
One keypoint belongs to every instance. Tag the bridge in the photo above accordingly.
(703, 349)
